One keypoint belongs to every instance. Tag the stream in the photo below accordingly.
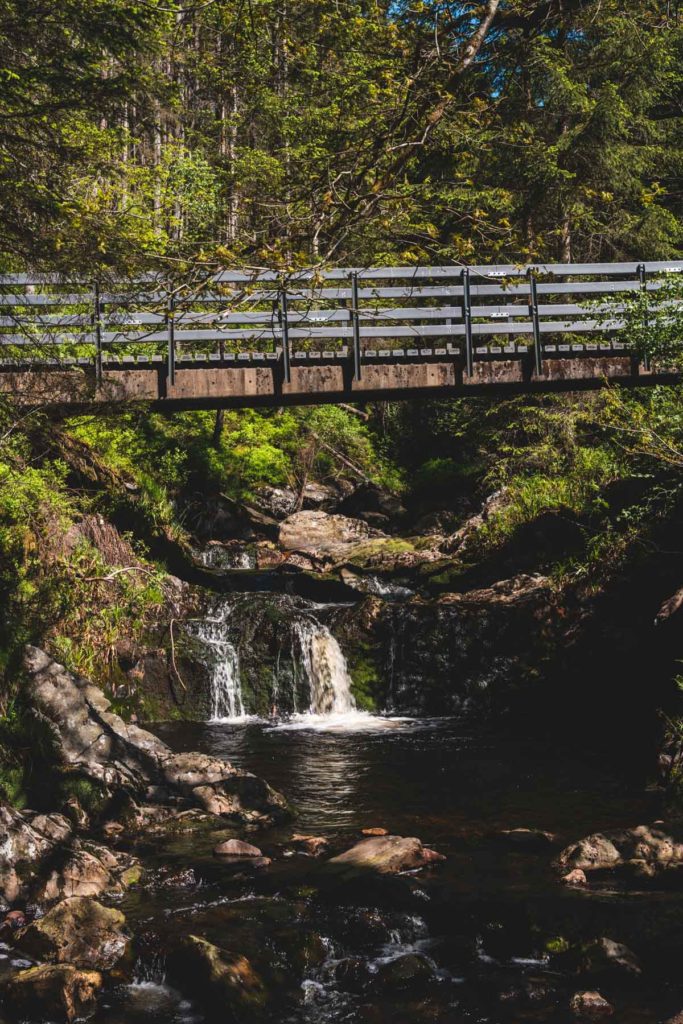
(484, 936)
(483, 921)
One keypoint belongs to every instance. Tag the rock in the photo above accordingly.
(314, 845)
(55, 992)
(590, 1006)
(323, 536)
(78, 931)
(604, 957)
(527, 838)
(236, 848)
(575, 877)
(386, 855)
(88, 869)
(646, 851)
(13, 921)
(431, 856)
(28, 839)
(405, 972)
(375, 832)
(88, 737)
(224, 982)
(369, 500)
(76, 815)
(351, 974)
(669, 608)
(594, 853)
(462, 539)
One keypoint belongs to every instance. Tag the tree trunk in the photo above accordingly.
(218, 428)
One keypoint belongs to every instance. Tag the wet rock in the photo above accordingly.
(527, 838)
(313, 845)
(411, 971)
(87, 736)
(606, 958)
(13, 921)
(575, 877)
(594, 853)
(55, 992)
(224, 982)
(28, 840)
(236, 848)
(646, 851)
(385, 855)
(590, 1006)
(351, 974)
(88, 869)
(79, 931)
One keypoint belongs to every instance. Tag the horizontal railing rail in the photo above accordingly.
(362, 314)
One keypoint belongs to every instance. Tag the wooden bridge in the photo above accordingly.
(264, 339)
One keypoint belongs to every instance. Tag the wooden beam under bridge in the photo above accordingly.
(198, 386)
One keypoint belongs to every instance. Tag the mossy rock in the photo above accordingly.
(226, 983)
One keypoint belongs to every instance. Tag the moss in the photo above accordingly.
(91, 795)
(13, 785)
(367, 681)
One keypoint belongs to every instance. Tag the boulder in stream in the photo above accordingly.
(646, 851)
(226, 983)
(386, 855)
(236, 848)
(590, 1006)
(88, 738)
(77, 931)
(55, 992)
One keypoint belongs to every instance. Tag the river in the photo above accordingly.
(484, 924)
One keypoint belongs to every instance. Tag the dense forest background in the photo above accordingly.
(286, 132)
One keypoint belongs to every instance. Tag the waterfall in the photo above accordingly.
(324, 668)
(225, 686)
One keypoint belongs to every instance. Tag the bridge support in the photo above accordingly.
(201, 386)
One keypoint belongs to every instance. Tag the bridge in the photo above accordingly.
(260, 338)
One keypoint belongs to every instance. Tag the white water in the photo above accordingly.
(324, 666)
(225, 685)
(319, 668)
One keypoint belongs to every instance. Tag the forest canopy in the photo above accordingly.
(296, 132)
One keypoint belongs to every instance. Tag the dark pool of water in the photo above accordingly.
(483, 919)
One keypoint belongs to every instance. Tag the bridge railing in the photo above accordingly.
(359, 315)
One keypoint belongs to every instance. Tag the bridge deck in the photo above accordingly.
(260, 339)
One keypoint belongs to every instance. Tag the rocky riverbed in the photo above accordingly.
(422, 872)
(350, 813)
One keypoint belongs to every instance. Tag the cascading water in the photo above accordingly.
(225, 686)
(324, 668)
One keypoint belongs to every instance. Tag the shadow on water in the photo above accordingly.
(477, 930)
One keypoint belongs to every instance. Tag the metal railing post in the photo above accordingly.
(97, 326)
(170, 325)
(355, 322)
(642, 277)
(467, 313)
(535, 322)
(286, 364)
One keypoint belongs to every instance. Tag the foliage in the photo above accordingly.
(295, 132)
